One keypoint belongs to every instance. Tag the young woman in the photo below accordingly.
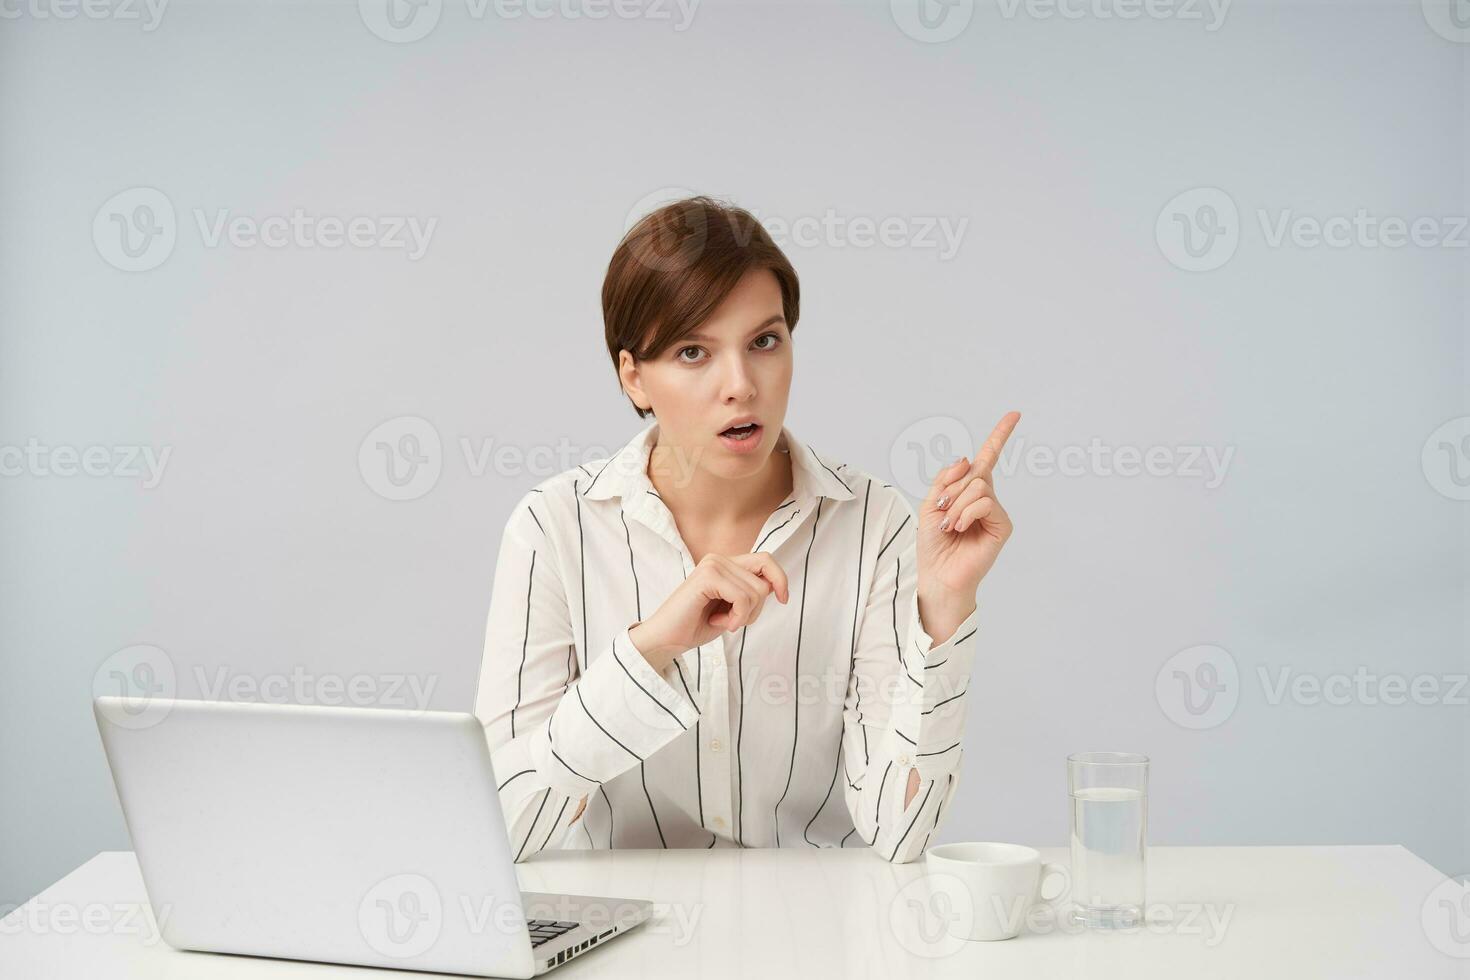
(640, 687)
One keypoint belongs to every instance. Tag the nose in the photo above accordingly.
(738, 384)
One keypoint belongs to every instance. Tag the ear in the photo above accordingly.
(632, 382)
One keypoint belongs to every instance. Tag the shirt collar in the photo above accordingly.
(625, 474)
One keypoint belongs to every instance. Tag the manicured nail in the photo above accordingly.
(942, 502)
(944, 524)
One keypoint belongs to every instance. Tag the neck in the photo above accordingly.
(704, 498)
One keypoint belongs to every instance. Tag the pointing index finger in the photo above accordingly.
(990, 452)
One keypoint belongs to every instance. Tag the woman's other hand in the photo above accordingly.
(721, 595)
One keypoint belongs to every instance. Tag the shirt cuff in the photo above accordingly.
(618, 713)
(939, 708)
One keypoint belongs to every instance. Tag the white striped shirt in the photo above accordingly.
(798, 730)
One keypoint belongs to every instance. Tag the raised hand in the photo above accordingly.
(962, 525)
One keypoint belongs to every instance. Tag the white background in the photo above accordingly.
(265, 549)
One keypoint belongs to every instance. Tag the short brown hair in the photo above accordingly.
(676, 265)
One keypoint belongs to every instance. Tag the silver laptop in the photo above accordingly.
(341, 835)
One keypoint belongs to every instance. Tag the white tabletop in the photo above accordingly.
(1237, 912)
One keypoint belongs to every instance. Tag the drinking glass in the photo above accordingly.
(1109, 792)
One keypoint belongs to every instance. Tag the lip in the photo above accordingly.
(747, 445)
(740, 420)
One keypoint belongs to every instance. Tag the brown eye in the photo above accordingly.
(679, 355)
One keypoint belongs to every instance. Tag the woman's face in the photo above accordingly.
(736, 365)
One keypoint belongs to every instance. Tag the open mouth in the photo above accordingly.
(740, 433)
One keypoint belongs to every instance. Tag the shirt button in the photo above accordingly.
(714, 745)
(903, 760)
(719, 821)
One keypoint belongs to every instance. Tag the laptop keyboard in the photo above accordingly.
(543, 930)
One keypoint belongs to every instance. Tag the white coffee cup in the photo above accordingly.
(1001, 884)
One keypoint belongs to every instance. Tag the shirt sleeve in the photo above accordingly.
(905, 706)
(557, 732)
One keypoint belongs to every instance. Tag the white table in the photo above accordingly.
(1289, 912)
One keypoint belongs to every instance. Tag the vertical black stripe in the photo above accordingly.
(603, 791)
(796, 674)
(851, 663)
(533, 823)
(525, 638)
(824, 801)
(643, 775)
(938, 812)
(913, 821)
(878, 807)
(897, 577)
(582, 568)
(739, 734)
(554, 823)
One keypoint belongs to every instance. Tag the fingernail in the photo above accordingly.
(944, 524)
(942, 502)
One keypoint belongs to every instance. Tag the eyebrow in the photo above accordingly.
(777, 318)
